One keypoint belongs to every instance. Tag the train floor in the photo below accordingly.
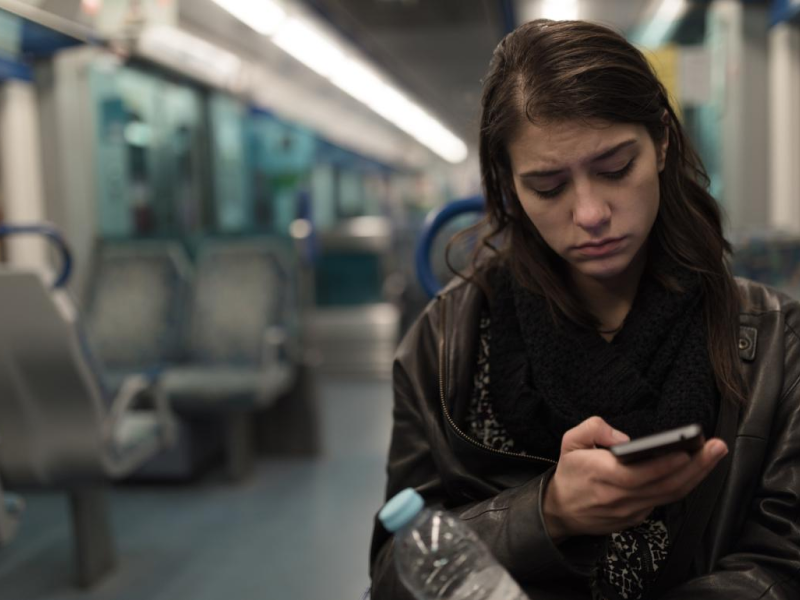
(298, 529)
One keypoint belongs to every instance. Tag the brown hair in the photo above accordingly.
(548, 71)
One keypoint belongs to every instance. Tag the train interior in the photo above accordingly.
(218, 218)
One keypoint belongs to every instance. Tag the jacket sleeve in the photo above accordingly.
(765, 561)
(510, 522)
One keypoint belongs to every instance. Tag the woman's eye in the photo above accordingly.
(619, 174)
(551, 193)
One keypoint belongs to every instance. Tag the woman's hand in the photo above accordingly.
(591, 493)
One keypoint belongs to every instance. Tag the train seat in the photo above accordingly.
(134, 307)
(59, 431)
(240, 343)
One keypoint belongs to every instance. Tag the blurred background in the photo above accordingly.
(209, 214)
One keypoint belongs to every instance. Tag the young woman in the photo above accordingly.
(602, 310)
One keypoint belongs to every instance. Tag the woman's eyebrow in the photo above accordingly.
(601, 156)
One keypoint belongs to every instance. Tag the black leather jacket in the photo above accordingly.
(744, 541)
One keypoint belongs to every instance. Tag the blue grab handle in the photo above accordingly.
(54, 236)
(433, 224)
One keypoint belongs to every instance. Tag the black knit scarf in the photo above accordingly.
(547, 378)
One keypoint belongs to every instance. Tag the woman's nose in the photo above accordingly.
(590, 211)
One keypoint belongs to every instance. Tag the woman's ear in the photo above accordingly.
(663, 145)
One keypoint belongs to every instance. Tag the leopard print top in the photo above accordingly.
(633, 557)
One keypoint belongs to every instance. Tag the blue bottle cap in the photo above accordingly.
(401, 509)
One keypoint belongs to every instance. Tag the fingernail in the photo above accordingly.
(718, 450)
(619, 436)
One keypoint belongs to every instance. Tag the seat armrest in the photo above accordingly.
(130, 390)
(275, 346)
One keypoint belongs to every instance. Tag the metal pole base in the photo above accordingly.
(239, 445)
(94, 543)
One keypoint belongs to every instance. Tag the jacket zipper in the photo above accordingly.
(442, 396)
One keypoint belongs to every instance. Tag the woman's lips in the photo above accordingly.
(603, 249)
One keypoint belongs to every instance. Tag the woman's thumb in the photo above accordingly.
(593, 432)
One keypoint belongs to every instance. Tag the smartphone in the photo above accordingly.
(685, 439)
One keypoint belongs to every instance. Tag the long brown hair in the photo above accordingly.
(551, 71)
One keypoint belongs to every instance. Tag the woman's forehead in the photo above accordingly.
(564, 143)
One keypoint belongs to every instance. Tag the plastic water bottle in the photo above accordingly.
(438, 557)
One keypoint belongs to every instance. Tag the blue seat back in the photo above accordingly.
(241, 290)
(135, 304)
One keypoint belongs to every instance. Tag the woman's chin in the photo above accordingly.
(602, 270)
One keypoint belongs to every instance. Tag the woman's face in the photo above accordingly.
(591, 191)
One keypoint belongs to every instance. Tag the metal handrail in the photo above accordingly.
(434, 222)
(54, 236)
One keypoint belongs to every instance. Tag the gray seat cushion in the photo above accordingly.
(198, 388)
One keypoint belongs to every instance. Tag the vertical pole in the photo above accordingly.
(737, 35)
(21, 167)
(784, 79)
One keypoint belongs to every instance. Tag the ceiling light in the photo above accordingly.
(91, 7)
(264, 16)
(310, 46)
(365, 85)
(560, 10)
(323, 53)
